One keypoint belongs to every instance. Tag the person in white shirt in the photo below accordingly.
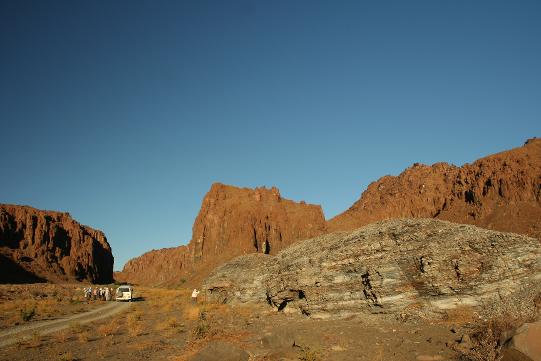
(194, 295)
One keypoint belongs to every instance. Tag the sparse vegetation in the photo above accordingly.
(83, 336)
(108, 329)
(309, 354)
(67, 356)
(36, 340)
(35, 302)
(499, 320)
(63, 336)
(202, 327)
(27, 313)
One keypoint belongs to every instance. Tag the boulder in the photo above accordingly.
(526, 343)
(387, 267)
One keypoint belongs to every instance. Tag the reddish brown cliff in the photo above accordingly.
(37, 245)
(166, 266)
(500, 192)
(232, 221)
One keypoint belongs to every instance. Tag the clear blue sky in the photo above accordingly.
(123, 113)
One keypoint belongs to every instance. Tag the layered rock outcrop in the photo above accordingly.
(386, 267)
(232, 221)
(37, 245)
(500, 192)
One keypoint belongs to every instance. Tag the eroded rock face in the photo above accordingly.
(235, 221)
(386, 267)
(166, 266)
(500, 192)
(37, 245)
(232, 221)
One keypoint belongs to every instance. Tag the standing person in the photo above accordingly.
(194, 295)
(107, 294)
(95, 293)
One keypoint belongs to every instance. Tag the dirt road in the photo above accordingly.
(25, 332)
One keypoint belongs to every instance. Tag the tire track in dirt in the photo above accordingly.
(25, 332)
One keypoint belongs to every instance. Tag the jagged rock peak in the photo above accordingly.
(501, 192)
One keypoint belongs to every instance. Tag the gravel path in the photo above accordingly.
(25, 332)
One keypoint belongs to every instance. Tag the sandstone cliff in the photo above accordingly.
(37, 245)
(232, 221)
(397, 267)
(500, 192)
(166, 266)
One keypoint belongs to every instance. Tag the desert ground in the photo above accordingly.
(164, 324)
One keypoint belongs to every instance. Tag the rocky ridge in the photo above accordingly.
(232, 221)
(394, 267)
(500, 192)
(38, 245)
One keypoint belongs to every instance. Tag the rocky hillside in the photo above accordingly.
(37, 245)
(400, 267)
(500, 192)
(166, 266)
(232, 221)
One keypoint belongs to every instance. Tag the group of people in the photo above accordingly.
(98, 293)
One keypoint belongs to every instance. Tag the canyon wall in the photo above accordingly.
(37, 245)
(232, 221)
(500, 192)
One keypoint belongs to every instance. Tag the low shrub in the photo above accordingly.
(28, 313)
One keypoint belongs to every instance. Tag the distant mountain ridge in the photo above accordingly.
(500, 192)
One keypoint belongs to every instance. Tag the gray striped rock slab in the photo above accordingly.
(386, 267)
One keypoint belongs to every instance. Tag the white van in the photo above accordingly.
(124, 293)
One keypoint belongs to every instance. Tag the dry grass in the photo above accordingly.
(501, 318)
(308, 354)
(62, 336)
(108, 329)
(36, 340)
(46, 301)
(67, 356)
(83, 337)
(171, 325)
(136, 330)
(191, 312)
(135, 316)
(486, 345)
(202, 328)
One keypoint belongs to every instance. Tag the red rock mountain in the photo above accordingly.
(232, 221)
(37, 245)
(500, 192)
(166, 266)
